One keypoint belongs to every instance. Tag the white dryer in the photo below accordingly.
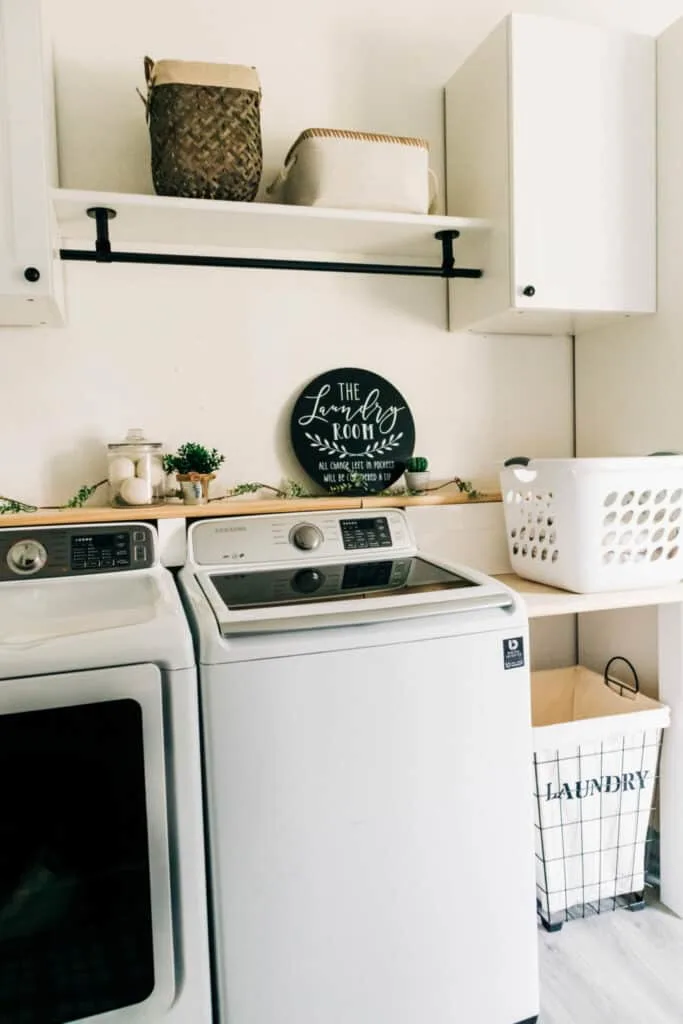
(102, 884)
(366, 719)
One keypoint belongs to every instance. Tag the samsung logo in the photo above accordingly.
(231, 529)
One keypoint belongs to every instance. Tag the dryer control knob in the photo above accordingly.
(26, 557)
(306, 537)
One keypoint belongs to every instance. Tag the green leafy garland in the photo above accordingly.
(79, 499)
(291, 489)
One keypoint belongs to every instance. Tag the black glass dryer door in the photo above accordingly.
(85, 918)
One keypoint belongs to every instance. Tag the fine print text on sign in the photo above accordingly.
(352, 431)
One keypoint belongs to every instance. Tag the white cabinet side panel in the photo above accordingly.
(477, 169)
(583, 166)
(630, 376)
(26, 168)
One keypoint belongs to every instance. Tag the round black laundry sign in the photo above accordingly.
(352, 431)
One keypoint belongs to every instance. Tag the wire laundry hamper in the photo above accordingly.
(590, 525)
(596, 766)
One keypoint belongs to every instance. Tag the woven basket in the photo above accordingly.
(205, 129)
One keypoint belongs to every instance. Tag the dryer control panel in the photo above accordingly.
(53, 552)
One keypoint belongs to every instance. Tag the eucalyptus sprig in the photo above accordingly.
(8, 505)
(83, 494)
(291, 489)
(464, 486)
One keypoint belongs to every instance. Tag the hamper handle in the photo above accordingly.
(282, 174)
(635, 689)
(517, 460)
(149, 72)
(654, 455)
(149, 78)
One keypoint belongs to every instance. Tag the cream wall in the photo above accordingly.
(218, 355)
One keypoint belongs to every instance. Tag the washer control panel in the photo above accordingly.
(58, 551)
(310, 537)
(366, 532)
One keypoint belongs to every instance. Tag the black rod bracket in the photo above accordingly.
(102, 215)
(447, 255)
(103, 253)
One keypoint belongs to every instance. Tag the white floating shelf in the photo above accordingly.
(145, 221)
(543, 601)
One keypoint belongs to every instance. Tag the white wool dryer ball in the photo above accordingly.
(136, 491)
(120, 469)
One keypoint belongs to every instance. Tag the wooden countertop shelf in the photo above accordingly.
(232, 507)
(542, 601)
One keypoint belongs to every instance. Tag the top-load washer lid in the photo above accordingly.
(344, 593)
(339, 581)
(284, 572)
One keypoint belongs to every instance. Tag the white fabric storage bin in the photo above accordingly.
(596, 757)
(356, 171)
(590, 525)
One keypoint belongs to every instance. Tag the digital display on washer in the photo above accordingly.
(365, 532)
(274, 587)
(100, 551)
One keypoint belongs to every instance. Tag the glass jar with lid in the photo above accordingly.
(136, 471)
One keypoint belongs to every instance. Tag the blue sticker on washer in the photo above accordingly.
(513, 652)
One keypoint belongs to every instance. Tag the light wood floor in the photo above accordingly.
(618, 968)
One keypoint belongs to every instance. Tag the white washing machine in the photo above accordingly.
(103, 907)
(367, 746)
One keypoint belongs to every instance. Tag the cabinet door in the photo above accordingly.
(27, 170)
(582, 137)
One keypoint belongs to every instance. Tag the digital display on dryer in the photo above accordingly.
(100, 551)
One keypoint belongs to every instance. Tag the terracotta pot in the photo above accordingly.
(195, 487)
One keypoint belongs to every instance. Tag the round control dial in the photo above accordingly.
(307, 581)
(306, 537)
(26, 557)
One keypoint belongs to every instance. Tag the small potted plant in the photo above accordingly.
(417, 473)
(195, 467)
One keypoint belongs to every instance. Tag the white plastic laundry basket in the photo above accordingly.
(596, 756)
(590, 525)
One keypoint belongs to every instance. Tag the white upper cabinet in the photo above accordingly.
(550, 135)
(30, 273)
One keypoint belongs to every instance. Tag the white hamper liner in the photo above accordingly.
(596, 757)
(590, 525)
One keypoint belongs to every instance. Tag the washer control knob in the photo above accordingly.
(307, 581)
(306, 537)
(26, 557)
